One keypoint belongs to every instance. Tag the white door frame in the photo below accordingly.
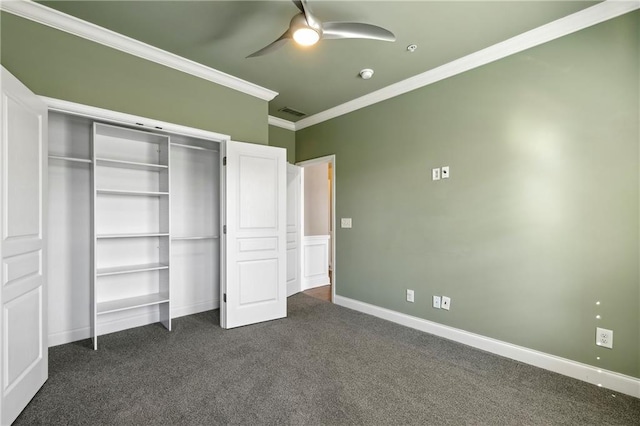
(328, 159)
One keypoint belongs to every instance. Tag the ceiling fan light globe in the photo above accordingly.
(306, 36)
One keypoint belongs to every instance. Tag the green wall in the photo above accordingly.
(284, 138)
(59, 65)
(540, 218)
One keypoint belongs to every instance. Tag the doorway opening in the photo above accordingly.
(318, 241)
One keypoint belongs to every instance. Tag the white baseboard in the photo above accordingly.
(69, 336)
(315, 281)
(587, 373)
(195, 308)
(125, 323)
(60, 338)
(63, 337)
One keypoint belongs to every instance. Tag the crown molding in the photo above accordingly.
(282, 123)
(74, 108)
(593, 15)
(61, 21)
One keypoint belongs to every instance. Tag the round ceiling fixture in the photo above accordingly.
(366, 73)
(412, 47)
(306, 36)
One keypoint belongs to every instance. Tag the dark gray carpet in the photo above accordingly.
(324, 364)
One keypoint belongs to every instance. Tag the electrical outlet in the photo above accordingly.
(345, 222)
(436, 302)
(446, 302)
(604, 338)
(435, 174)
(445, 172)
(410, 296)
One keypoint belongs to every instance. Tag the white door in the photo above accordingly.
(294, 229)
(254, 277)
(23, 298)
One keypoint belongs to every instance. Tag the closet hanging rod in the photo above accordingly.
(74, 159)
(110, 162)
(207, 237)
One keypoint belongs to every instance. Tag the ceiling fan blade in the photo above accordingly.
(308, 15)
(299, 5)
(337, 30)
(273, 46)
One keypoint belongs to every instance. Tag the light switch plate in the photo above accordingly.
(410, 296)
(345, 222)
(436, 302)
(435, 174)
(445, 172)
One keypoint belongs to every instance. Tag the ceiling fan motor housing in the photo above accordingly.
(299, 21)
(306, 30)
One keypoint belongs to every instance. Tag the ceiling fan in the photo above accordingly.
(306, 30)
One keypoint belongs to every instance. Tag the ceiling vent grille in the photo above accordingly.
(292, 112)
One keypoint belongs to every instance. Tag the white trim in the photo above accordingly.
(282, 123)
(126, 323)
(593, 15)
(315, 282)
(129, 119)
(107, 327)
(331, 159)
(194, 308)
(72, 25)
(321, 239)
(314, 263)
(68, 336)
(587, 373)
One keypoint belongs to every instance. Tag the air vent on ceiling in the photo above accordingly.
(292, 112)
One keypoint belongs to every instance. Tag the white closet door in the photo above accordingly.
(23, 334)
(255, 240)
(294, 229)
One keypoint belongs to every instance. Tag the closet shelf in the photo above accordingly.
(114, 132)
(201, 148)
(108, 162)
(73, 159)
(123, 192)
(204, 237)
(131, 303)
(128, 269)
(142, 235)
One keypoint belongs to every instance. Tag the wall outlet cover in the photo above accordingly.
(604, 338)
(445, 172)
(436, 302)
(345, 222)
(446, 302)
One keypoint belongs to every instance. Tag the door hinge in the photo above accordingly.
(224, 297)
(224, 161)
(224, 229)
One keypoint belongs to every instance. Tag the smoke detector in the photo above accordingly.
(366, 73)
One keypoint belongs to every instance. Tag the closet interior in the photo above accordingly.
(134, 221)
